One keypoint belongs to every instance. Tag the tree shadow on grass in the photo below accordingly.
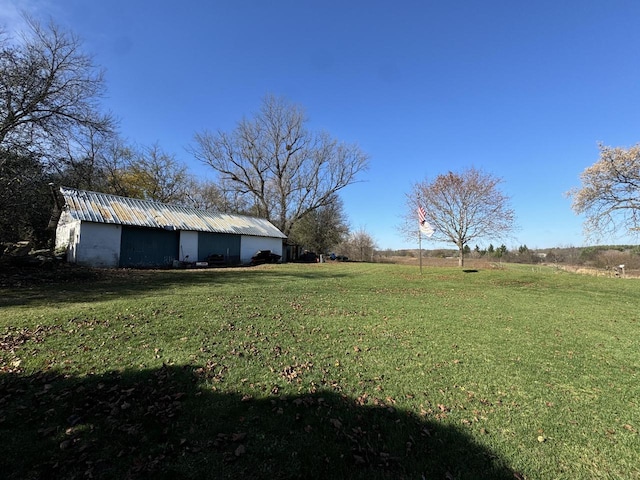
(32, 286)
(164, 423)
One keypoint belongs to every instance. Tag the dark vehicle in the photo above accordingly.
(264, 256)
(308, 257)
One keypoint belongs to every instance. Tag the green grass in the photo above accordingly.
(322, 371)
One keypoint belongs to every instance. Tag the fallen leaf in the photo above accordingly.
(238, 437)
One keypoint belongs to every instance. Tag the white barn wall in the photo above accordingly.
(98, 245)
(250, 245)
(188, 246)
(67, 236)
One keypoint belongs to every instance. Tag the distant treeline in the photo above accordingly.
(600, 256)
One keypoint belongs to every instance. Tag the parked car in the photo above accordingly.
(308, 257)
(264, 256)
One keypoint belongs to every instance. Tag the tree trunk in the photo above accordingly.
(461, 257)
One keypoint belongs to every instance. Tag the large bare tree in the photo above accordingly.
(49, 90)
(610, 193)
(462, 207)
(283, 170)
(49, 103)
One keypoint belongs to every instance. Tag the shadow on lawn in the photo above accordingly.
(35, 286)
(163, 423)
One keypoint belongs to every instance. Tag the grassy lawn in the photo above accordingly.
(322, 371)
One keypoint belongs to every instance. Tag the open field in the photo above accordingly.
(321, 371)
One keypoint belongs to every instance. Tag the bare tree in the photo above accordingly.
(156, 175)
(204, 195)
(610, 192)
(114, 157)
(360, 245)
(220, 196)
(49, 102)
(282, 170)
(462, 207)
(108, 164)
(86, 162)
(49, 90)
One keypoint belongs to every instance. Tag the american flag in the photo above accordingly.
(424, 225)
(422, 216)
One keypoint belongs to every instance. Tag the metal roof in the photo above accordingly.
(104, 208)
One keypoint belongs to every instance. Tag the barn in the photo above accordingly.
(102, 230)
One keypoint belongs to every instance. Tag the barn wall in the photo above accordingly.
(67, 236)
(98, 245)
(148, 247)
(224, 244)
(250, 245)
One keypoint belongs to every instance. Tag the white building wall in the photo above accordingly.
(98, 245)
(188, 246)
(250, 245)
(67, 236)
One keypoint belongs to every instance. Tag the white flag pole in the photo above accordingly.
(420, 247)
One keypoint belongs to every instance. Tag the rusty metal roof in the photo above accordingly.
(104, 208)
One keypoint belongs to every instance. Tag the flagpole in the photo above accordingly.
(420, 249)
(428, 231)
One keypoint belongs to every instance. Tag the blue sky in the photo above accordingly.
(522, 90)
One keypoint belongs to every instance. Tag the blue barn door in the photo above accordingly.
(148, 247)
(224, 244)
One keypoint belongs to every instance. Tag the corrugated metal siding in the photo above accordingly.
(221, 244)
(148, 247)
(104, 208)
